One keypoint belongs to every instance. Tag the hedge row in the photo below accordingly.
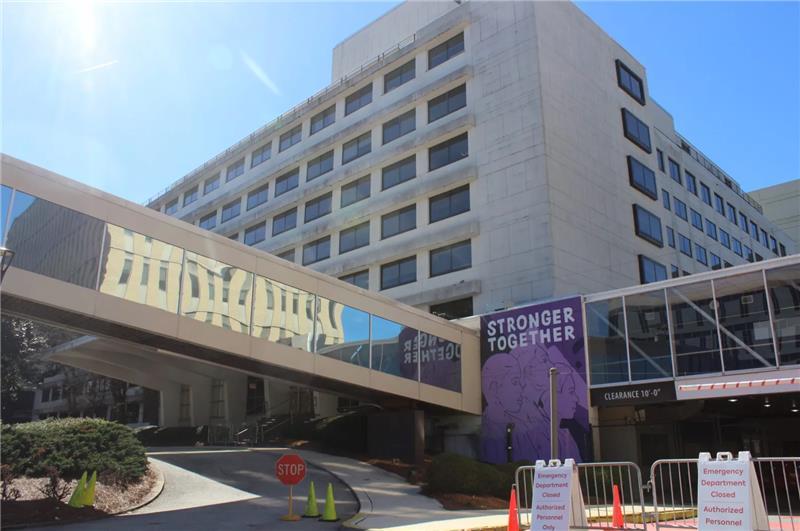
(452, 473)
(72, 446)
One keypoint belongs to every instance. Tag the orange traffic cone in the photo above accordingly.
(513, 521)
(616, 516)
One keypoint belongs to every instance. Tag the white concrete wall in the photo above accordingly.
(781, 204)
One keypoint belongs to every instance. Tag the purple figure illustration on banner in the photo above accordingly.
(518, 347)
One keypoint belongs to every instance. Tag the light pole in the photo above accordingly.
(6, 257)
(553, 413)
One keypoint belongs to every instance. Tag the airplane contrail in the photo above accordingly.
(97, 67)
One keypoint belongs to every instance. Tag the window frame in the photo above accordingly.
(323, 162)
(315, 206)
(401, 123)
(363, 227)
(399, 264)
(448, 145)
(399, 214)
(447, 98)
(452, 47)
(290, 138)
(325, 243)
(358, 99)
(259, 152)
(449, 194)
(360, 151)
(449, 249)
(236, 205)
(356, 184)
(640, 231)
(398, 167)
(287, 178)
(623, 68)
(256, 192)
(252, 229)
(283, 216)
(650, 191)
(400, 73)
(322, 117)
(633, 136)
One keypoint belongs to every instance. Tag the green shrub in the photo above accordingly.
(73, 446)
(452, 473)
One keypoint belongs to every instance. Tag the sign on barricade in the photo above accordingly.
(557, 501)
(728, 494)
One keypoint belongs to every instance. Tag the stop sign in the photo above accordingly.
(290, 469)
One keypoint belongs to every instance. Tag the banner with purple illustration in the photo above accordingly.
(518, 347)
(438, 360)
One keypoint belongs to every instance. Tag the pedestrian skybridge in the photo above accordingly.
(95, 263)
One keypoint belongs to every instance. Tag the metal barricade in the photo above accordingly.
(597, 482)
(674, 488)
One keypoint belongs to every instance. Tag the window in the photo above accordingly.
(234, 237)
(764, 238)
(451, 258)
(724, 239)
(719, 205)
(685, 245)
(660, 157)
(190, 195)
(675, 271)
(731, 213)
(399, 76)
(642, 178)
(285, 221)
(234, 170)
(650, 270)
(397, 127)
(318, 207)
(648, 226)
(445, 51)
(171, 207)
(257, 197)
(287, 181)
(700, 254)
(697, 220)
(354, 238)
(711, 229)
(290, 138)
(773, 244)
(737, 247)
(456, 309)
(448, 204)
(231, 210)
(360, 279)
(670, 237)
(399, 172)
(705, 194)
(680, 209)
(358, 99)
(782, 248)
(675, 171)
(260, 155)
(211, 184)
(209, 221)
(753, 230)
(398, 273)
(665, 198)
(759, 257)
(355, 191)
(319, 166)
(317, 250)
(255, 234)
(448, 152)
(636, 130)
(358, 147)
(447, 103)
(742, 221)
(287, 255)
(323, 119)
(399, 221)
(630, 82)
(691, 182)
(748, 254)
(716, 262)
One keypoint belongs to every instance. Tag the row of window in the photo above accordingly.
(437, 108)
(392, 175)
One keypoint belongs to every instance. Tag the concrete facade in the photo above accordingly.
(550, 201)
(781, 204)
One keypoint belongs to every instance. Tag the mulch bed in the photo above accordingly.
(33, 507)
(467, 501)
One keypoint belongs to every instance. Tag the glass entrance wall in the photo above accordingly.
(742, 319)
(73, 247)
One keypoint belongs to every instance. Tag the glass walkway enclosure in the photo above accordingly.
(90, 261)
(715, 326)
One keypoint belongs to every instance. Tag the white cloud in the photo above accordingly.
(260, 74)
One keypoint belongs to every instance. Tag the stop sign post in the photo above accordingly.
(290, 469)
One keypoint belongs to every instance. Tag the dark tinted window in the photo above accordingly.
(171, 207)
(260, 155)
(650, 270)
(317, 250)
(290, 138)
(732, 213)
(711, 229)
(190, 196)
(451, 258)
(648, 226)
(449, 204)
(399, 172)
(358, 99)
(742, 221)
(697, 219)
(397, 127)
(399, 76)
(660, 157)
(284, 221)
(360, 279)
(323, 119)
(234, 170)
(691, 183)
(719, 204)
(700, 254)
(354, 237)
(355, 191)
(319, 165)
(665, 198)
(447, 103)
(209, 221)
(398, 273)
(705, 194)
(630, 82)
(255, 234)
(318, 207)
(453, 309)
(635, 130)
(724, 238)
(642, 178)
(231, 210)
(675, 171)
(670, 237)
(286, 182)
(257, 197)
(399, 221)
(448, 152)
(716, 262)
(211, 184)
(448, 49)
(287, 255)
(680, 209)
(357, 147)
(685, 244)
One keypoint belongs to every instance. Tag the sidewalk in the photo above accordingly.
(388, 502)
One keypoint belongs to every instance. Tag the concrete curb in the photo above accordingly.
(154, 493)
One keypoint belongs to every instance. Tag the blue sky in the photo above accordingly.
(130, 97)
